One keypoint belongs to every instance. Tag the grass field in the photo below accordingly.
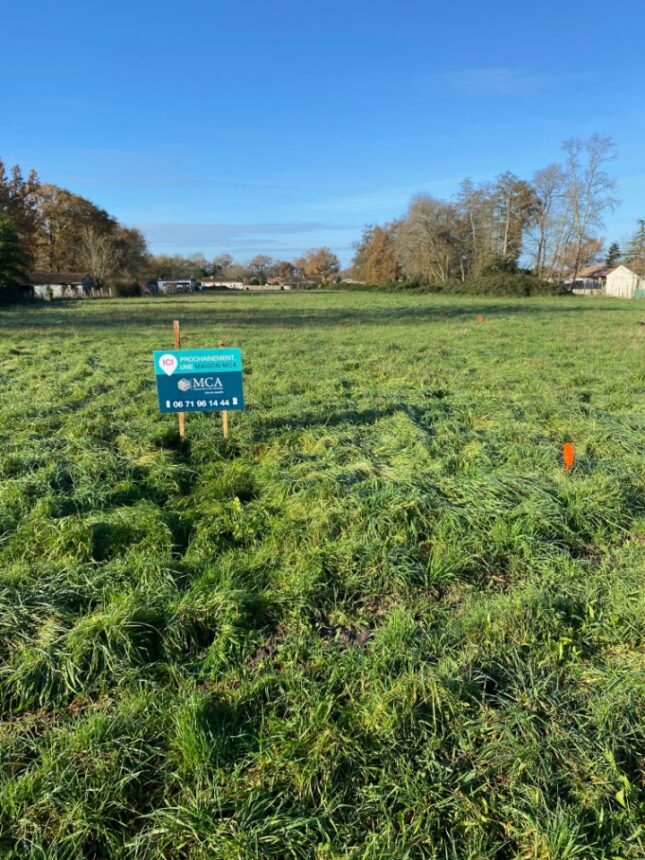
(380, 621)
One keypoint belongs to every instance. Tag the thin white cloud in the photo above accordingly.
(236, 237)
(500, 81)
(244, 240)
(178, 232)
(382, 198)
(142, 180)
(142, 168)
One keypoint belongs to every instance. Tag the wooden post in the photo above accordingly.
(180, 415)
(224, 413)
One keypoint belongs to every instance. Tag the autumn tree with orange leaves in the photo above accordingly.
(319, 264)
(376, 261)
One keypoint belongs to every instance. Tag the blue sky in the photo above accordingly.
(272, 127)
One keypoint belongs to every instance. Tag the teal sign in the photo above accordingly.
(199, 380)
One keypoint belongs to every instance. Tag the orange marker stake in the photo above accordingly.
(479, 318)
(568, 455)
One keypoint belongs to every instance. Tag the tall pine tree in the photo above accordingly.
(613, 255)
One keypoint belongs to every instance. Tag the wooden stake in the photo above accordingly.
(180, 415)
(224, 413)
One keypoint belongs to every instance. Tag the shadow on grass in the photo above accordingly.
(354, 417)
(153, 313)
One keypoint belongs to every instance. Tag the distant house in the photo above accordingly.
(213, 284)
(175, 285)
(622, 283)
(589, 279)
(293, 283)
(601, 280)
(56, 285)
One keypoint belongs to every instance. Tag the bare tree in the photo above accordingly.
(261, 267)
(590, 252)
(284, 269)
(428, 240)
(221, 264)
(98, 254)
(515, 204)
(475, 212)
(198, 265)
(547, 234)
(589, 189)
(494, 218)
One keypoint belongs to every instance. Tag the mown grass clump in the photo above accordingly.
(379, 621)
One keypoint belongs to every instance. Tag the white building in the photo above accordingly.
(58, 285)
(173, 286)
(212, 284)
(622, 283)
(589, 279)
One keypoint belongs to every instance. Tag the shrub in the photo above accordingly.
(503, 284)
(497, 283)
(126, 289)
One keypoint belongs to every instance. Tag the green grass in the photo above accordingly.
(380, 621)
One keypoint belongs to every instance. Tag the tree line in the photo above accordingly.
(48, 229)
(318, 265)
(549, 225)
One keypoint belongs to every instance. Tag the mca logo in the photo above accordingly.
(184, 385)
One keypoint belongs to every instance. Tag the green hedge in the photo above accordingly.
(504, 284)
(492, 284)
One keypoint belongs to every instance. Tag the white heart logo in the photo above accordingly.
(168, 363)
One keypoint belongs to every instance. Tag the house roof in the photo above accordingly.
(56, 278)
(598, 270)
